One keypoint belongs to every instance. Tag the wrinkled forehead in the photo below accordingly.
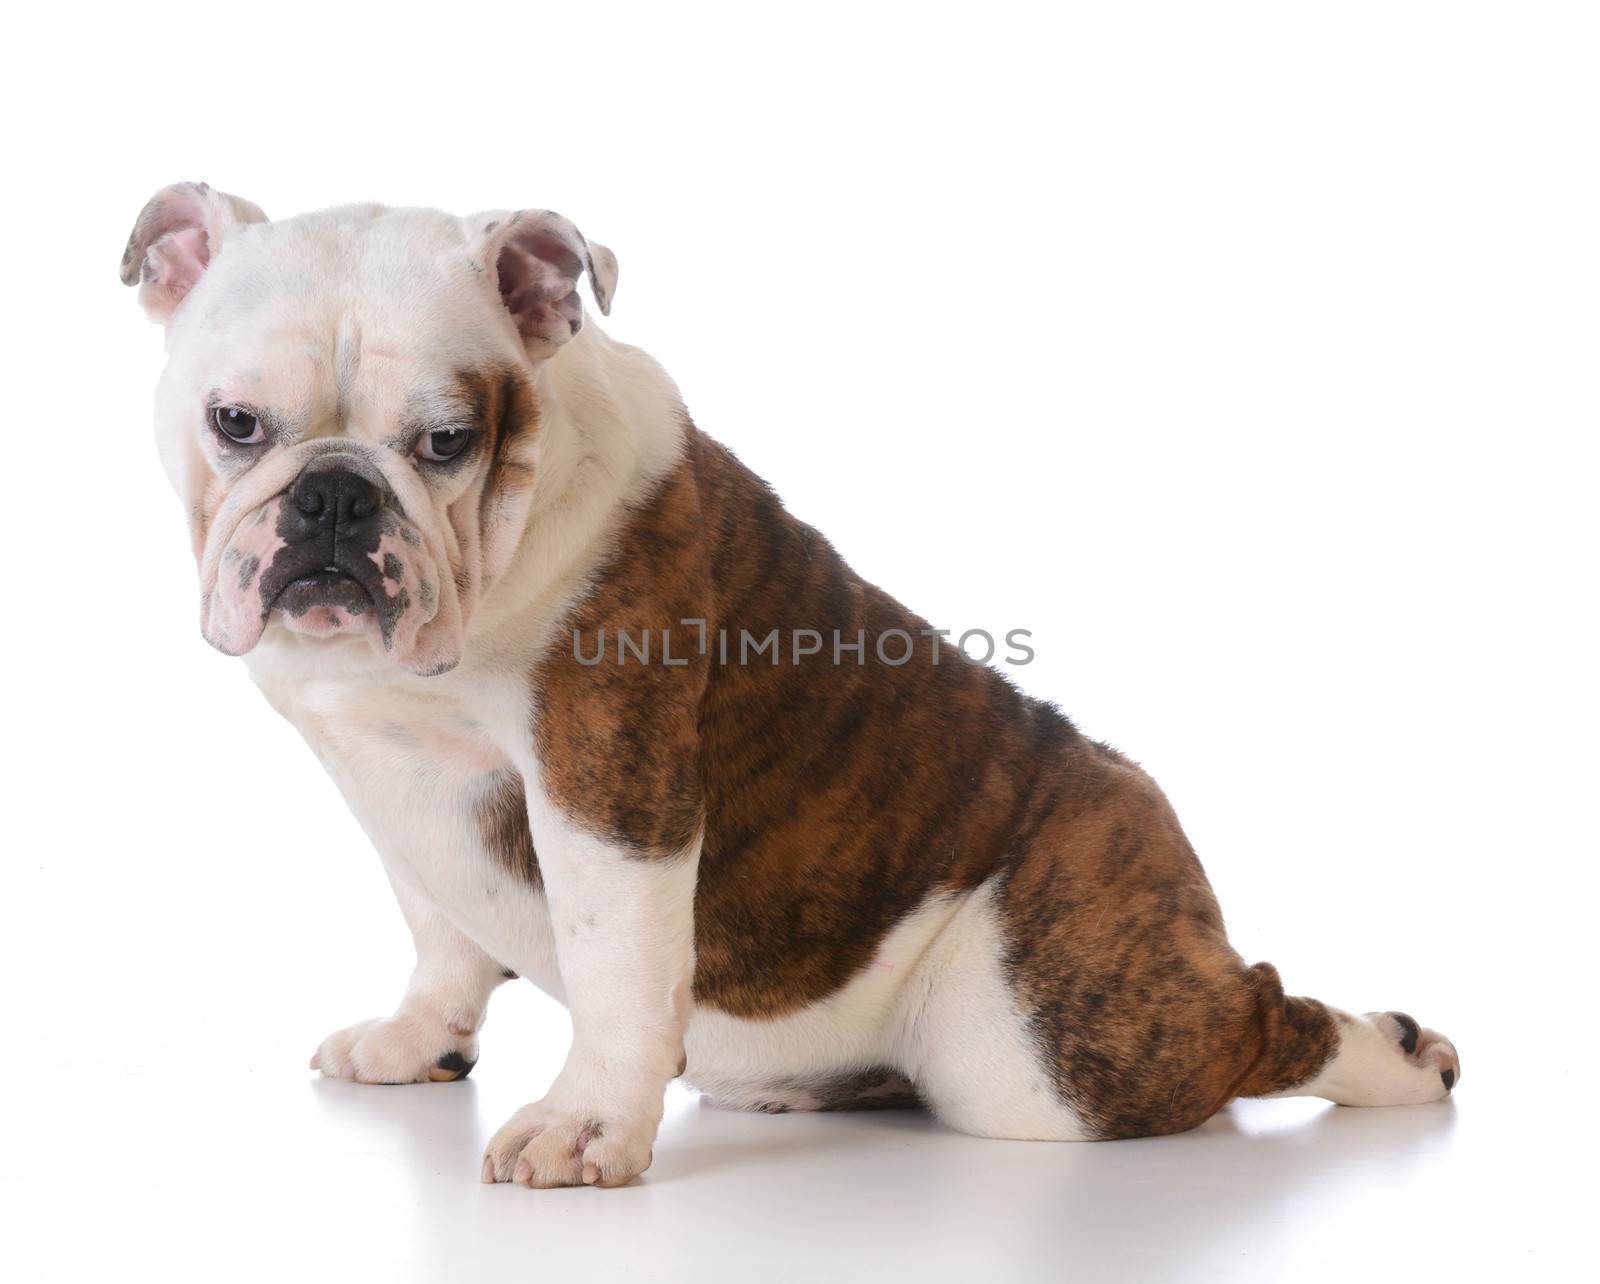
(362, 317)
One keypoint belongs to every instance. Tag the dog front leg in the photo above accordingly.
(433, 1034)
(623, 922)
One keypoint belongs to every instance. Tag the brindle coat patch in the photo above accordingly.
(1116, 945)
(502, 816)
(837, 797)
(879, 1088)
(500, 406)
(503, 406)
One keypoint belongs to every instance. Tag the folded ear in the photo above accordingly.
(176, 235)
(537, 258)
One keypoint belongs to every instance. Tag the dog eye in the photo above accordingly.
(237, 425)
(444, 444)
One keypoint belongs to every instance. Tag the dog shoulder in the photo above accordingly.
(617, 690)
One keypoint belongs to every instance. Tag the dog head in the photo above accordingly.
(349, 408)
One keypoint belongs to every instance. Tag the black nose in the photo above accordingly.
(337, 495)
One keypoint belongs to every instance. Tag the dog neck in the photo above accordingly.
(612, 425)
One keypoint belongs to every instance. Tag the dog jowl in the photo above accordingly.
(414, 471)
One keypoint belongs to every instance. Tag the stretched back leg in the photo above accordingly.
(1380, 1059)
(1089, 991)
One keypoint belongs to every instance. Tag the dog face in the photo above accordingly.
(349, 408)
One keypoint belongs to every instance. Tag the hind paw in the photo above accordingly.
(1427, 1050)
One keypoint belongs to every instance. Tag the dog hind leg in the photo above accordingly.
(1380, 1059)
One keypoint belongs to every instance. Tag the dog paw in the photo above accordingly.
(543, 1146)
(397, 1050)
(1426, 1050)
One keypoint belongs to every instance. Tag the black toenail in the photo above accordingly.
(1408, 1032)
(455, 1062)
(1449, 1077)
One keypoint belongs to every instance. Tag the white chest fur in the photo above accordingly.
(419, 762)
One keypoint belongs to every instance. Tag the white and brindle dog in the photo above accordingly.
(619, 724)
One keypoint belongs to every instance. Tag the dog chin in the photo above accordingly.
(324, 621)
(323, 604)
(323, 617)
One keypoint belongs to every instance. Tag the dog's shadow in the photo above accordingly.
(1238, 1188)
(1277, 1138)
(700, 1140)
(1262, 1152)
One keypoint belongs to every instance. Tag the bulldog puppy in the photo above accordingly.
(617, 723)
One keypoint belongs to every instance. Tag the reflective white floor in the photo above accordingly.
(200, 1166)
(166, 971)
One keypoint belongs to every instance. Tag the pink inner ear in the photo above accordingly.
(174, 263)
(538, 283)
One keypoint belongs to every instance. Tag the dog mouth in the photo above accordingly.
(327, 586)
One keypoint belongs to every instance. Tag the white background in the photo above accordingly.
(1244, 353)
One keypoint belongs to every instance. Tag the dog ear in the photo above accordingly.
(536, 258)
(176, 235)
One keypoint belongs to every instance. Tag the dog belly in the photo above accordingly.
(797, 1060)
